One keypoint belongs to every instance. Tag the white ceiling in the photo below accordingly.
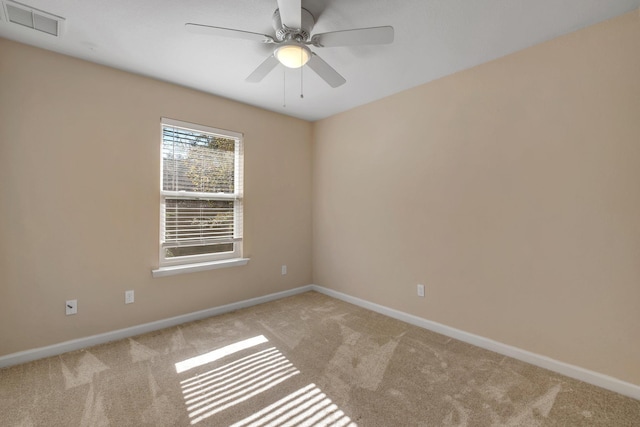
(433, 38)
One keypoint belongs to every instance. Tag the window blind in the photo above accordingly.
(201, 212)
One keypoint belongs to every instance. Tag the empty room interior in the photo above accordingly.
(427, 214)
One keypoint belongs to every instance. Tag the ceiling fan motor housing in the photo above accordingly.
(299, 34)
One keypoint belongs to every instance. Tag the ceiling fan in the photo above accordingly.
(293, 24)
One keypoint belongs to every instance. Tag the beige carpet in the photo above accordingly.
(305, 360)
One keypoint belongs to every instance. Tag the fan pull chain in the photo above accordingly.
(301, 75)
(284, 88)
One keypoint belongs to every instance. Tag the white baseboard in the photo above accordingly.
(77, 344)
(572, 371)
(591, 377)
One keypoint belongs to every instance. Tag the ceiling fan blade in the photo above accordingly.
(291, 13)
(325, 71)
(228, 32)
(263, 69)
(357, 37)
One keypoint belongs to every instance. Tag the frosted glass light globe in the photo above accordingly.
(293, 55)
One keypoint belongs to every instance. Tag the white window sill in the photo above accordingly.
(201, 266)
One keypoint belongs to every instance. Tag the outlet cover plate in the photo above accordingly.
(129, 297)
(71, 307)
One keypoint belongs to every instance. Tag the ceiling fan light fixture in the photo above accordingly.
(293, 55)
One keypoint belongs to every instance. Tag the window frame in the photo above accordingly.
(221, 258)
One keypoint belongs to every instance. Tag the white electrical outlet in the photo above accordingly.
(420, 290)
(284, 269)
(129, 297)
(71, 307)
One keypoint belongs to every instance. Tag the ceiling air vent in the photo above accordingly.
(33, 18)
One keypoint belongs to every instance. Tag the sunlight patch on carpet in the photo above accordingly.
(308, 406)
(211, 392)
(208, 393)
(212, 356)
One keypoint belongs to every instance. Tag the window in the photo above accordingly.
(201, 194)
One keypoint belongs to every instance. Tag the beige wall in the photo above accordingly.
(512, 190)
(79, 199)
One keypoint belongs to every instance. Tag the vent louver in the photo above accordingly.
(33, 18)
